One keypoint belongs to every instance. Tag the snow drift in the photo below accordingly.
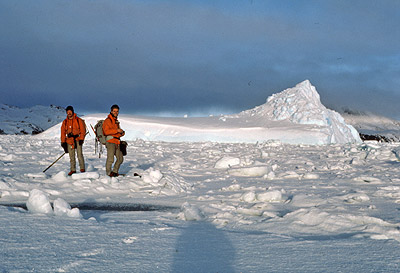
(295, 116)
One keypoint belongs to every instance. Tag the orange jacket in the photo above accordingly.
(76, 126)
(110, 127)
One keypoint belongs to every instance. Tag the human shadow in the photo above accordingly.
(202, 247)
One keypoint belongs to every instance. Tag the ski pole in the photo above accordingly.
(96, 139)
(94, 131)
(97, 143)
(54, 162)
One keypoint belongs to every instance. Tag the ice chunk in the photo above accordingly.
(152, 176)
(248, 197)
(270, 196)
(59, 177)
(61, 207)
(191, 212)
(227, 162)
(86, 175)
(74, 213)
(253, 171)
(38, 202)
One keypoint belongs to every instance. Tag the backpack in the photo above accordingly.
(84, 125)
(98, 129)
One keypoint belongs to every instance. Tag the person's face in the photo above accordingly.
(70, 114)
(115, 112)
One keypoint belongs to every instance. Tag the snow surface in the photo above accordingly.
(255, 204)
(217, 207)
(294, 116)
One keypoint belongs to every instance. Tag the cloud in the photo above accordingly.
(157, 56)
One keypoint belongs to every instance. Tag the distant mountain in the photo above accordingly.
(372, 126)
(34, 120)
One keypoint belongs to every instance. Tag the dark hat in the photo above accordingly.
(69, 108)
(114, 107)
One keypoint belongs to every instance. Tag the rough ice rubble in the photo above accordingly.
(236, 167)
(252, 171)
(269, 196)
(152, 176)
(314, 220)
(162, 184)
(227, 162)
(155, 183)
(39, 203)
(325, 167)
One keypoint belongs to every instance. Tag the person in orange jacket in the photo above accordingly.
(113, 133)
(73, 132)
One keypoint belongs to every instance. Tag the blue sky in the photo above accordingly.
(198, 57)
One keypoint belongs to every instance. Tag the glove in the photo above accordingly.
(80, 142)
(65, 146)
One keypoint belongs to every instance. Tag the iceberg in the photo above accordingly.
(294, 116)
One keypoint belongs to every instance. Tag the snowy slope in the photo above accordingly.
(372, 124)
(294, 116)
(15, 120)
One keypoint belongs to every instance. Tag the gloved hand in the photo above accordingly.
(80, 142)
(65, 146)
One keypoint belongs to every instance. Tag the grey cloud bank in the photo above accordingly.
(206, 57)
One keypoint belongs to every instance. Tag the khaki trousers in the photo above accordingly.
(72, 159)
(113, 150)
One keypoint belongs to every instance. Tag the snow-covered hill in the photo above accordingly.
(373, 126)
(22, 121)
(294, 116)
